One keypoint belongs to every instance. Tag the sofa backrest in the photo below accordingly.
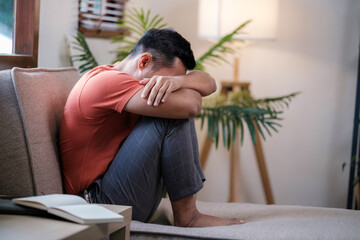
(15, 170)
(41, 95)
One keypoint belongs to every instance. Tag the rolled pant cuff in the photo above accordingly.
(180, 195)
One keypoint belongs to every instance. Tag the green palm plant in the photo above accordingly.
(216, 54)
(86, 58)
(231, 112)
(239, 108)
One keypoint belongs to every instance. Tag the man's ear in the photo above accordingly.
(144, 61)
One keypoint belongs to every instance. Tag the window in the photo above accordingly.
(6, 26)
(19, 32)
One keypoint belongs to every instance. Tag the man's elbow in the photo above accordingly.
(213, 86)
(189, 103)
(194, 109)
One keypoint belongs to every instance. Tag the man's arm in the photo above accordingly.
(200, 82)
(158, 88)
(184, 103)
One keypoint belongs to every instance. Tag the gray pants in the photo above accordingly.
(158, 153)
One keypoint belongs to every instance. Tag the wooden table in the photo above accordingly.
(32, 227)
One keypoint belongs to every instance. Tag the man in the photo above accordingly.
(117, 157)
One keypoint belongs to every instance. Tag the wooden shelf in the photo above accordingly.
(99, 33)
(99, 18)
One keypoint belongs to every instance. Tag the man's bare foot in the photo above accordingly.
(203, 220)
(187, 215)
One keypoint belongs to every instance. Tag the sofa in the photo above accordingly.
(31, 106)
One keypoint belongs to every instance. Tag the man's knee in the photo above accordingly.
(163, 125)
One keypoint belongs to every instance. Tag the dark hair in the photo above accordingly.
(165, 45)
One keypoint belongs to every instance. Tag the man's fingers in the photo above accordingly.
(152, 95)
(166, 95)
(158, 82)
(149, 85)
(168, 91)
(157, 89)
(153, 92)
(156, 93)
(144, 81)
(161, 94)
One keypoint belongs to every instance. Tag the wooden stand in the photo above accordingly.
(234, 194)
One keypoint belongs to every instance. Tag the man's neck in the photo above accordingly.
(128, 66)
(122, 66)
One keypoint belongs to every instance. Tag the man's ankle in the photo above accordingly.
(186, 219)
(185, 211)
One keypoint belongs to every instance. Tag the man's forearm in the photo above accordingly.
(184, 103)
(200, 82)
(158, 88)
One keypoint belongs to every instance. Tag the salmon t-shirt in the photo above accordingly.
(94, 125)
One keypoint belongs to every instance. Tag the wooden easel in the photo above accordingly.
(234, 193)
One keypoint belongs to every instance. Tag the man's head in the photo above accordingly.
(164, 46)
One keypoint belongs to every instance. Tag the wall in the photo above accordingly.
(58, 22)
(316, 52)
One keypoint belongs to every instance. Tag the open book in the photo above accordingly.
(71, 207)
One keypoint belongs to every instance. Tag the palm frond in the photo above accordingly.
(243, 98)
(86, 59)
(239, 109)
(137, 23)
(219, 47)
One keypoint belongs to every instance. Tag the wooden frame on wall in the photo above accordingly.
(99, 18)
(25, 36)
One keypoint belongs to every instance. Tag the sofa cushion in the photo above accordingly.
(42, 94)
(262, 222)
(15, 170)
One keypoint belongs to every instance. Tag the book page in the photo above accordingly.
(86, 214)
(46, 201)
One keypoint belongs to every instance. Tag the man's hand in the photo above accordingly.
(158, 88)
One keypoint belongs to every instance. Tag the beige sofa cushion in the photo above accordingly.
(270, 222)
(15, 170)
(42, 94)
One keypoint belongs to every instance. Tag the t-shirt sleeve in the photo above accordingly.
(109, 90)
